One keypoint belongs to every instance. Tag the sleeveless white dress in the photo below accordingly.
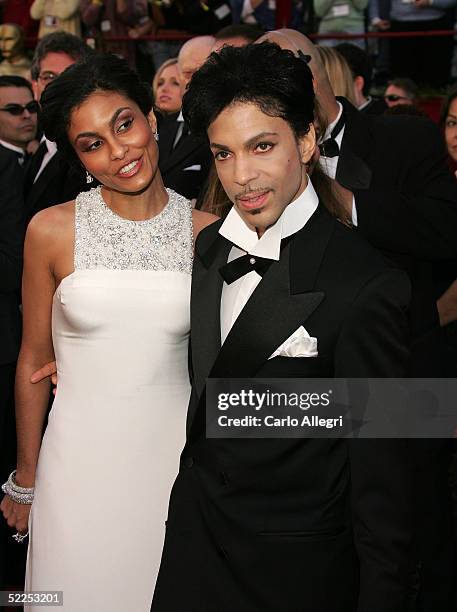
(110, 453)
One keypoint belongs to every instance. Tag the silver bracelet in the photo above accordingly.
(20, 495)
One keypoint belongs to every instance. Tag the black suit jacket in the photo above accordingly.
(59, 182)
(11, 241)
(406, 205)
(174, 163)
(292, 525)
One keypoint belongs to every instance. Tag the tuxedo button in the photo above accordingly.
(188, 462)
(252, 261)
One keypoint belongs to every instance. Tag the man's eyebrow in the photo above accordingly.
(248, 143)
(112, 121)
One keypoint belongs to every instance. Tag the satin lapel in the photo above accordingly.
(44, 180)
(205, 306)
(353, 170)
(281, 302)
(167, 129)
(186, 146)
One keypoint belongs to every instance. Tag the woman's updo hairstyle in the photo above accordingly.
(105, 72)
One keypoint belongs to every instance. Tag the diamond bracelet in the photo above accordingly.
(20, 495)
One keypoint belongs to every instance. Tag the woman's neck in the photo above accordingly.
(138, 206)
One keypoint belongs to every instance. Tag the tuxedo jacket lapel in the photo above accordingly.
(282, 301)
(353, 170)
(205, 303)
(185, 147)
(167, 129)
(36, 189)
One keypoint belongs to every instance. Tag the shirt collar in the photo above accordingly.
(51, 146)
(293, 219)
(330, 127)
(368, 100)
(180, 117)
(12, 147)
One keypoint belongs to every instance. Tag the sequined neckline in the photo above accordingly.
(152, 220)
(104, 240)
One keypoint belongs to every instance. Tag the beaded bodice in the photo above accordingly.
(104, 240)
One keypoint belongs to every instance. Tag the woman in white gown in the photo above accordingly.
(106, 290)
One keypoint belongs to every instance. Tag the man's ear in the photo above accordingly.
(152, 121)
(359, 83)
(307, 144)
(35, 90)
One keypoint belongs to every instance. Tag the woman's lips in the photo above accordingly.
(136, 165)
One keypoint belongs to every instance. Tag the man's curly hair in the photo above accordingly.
(274, 79)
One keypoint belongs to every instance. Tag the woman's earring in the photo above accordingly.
(89, 177)
(156, 135)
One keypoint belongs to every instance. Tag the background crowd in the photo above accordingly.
(167, 41)
(126, 27)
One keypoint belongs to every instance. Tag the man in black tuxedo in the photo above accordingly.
(184, 159)
(391, 172)
(361, 67)
(18, 116)
(11, 240)
(49, 178)
(280, 524)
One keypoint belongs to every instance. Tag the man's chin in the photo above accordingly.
(258, 220)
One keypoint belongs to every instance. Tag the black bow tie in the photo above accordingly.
(330, 148)
(243, 265)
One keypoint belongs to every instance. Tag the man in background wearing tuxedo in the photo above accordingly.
(49, 178)
(391, 173)
(309, 525)
(18, 116)
(184, 160)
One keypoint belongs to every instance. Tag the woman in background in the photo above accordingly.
(338, 72)
(449, 126)
(166, 87)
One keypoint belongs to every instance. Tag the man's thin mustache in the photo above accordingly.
(251, 191)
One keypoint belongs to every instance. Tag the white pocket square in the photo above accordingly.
(194, 167)
(299, 344)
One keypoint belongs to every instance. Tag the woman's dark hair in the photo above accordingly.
(448, 100)
(278, 82)
(69, 90)
(274, 79)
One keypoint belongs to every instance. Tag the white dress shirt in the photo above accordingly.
(52, 150)
(179, 131)
(330, 164)
(293, 219)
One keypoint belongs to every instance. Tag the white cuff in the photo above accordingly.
(354, 213)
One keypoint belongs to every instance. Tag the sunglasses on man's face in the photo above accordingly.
(395, 98)
(17, 109)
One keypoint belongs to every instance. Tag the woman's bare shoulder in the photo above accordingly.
(201, 220)
(52, 225)
(52, 222)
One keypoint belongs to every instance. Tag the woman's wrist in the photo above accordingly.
(18, 493)
(25, 478)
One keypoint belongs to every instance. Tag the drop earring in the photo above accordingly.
(89, 178)
(156, 135)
